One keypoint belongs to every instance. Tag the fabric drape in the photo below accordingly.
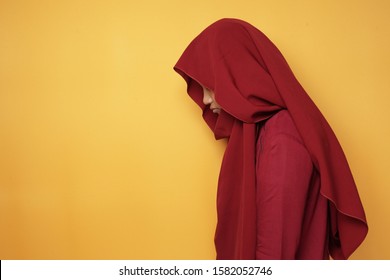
(252, 81)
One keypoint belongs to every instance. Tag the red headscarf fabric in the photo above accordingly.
(252, 81)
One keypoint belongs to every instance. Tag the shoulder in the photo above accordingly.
(280, 149)
(280, 130)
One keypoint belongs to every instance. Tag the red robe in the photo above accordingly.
(253, 82)
(291, 212)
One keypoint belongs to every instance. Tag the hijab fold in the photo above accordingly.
(252, 81)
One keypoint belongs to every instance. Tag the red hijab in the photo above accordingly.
(252, 81)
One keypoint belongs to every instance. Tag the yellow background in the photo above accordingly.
(104, 156)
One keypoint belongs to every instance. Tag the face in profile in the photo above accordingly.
(209, 100)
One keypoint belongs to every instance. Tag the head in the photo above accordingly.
(225, 58)
(227, 77)
(209, 100)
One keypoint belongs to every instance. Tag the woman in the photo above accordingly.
(285, 189)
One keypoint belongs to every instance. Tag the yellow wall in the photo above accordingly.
(103, 155)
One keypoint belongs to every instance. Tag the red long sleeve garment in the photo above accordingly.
(286, 180)
(252, 82)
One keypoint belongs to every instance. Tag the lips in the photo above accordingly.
(215, 110)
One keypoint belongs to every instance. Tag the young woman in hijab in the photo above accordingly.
(285, 189)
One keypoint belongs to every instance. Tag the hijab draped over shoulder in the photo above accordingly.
(252, 81)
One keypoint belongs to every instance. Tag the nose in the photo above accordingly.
(207, 99)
